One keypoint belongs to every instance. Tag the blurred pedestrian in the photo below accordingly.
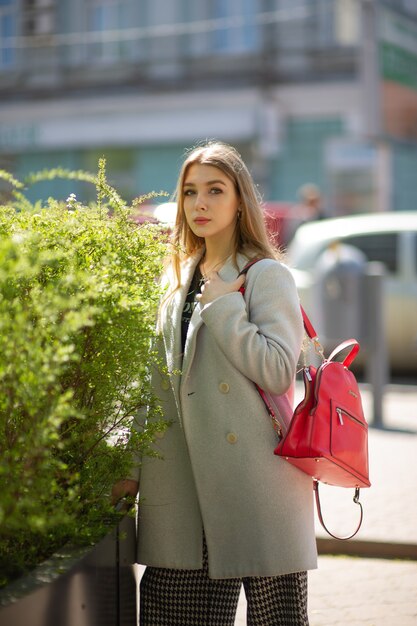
(219, 509)
(308, 209)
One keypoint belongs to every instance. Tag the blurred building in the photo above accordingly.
(320, 91)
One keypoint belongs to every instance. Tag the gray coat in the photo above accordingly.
(218, 471)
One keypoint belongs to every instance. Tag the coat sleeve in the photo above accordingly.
(260, 334)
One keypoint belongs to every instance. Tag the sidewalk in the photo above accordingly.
(347, 591)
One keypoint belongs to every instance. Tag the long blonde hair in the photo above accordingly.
(251, 235)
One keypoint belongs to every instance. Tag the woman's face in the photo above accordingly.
(210, 202)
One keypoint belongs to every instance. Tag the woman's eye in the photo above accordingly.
(189, 192)
(215, 190)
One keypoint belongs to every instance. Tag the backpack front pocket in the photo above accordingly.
(349, 438)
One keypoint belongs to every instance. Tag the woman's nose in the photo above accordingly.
(201, 202)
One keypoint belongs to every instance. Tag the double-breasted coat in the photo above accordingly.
(218, 471)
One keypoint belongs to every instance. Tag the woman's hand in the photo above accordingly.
(124, 488)
(214, 287)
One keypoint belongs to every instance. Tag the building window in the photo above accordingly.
(38, 17)
(105, 20)
(236, 29)
(347, 22)
(317, 24)
(7, 32)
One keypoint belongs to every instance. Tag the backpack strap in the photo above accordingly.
(309, 328)
(245, 271)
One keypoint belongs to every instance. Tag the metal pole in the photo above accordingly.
(377, 357)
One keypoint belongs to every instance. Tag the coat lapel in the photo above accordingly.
(228, 273)
(171, 325)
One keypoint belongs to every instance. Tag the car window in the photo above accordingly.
(381, 247)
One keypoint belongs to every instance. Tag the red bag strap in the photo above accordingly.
(245, 271)
(309, 328)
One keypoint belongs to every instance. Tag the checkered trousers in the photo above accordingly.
(173, 597)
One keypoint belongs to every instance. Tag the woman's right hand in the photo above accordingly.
(214, 287)
(124, 488)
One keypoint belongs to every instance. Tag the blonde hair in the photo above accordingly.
(251, 237)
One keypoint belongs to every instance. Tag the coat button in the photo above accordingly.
(224, 387)
(165, 384)
(231, 437)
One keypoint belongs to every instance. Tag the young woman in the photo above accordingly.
(219, 509)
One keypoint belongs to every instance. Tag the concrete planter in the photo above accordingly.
(78, 587)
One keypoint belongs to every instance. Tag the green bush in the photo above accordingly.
(78, 296)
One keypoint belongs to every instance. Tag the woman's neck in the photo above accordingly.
(217, 252)
(214, 258)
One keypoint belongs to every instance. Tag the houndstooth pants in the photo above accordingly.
(173, 597)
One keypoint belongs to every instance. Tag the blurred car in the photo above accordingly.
(164, 213)
(389, 238)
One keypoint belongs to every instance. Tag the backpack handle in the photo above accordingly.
(350, 357)
(320, 514)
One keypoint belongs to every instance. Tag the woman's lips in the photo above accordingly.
(201, 220)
